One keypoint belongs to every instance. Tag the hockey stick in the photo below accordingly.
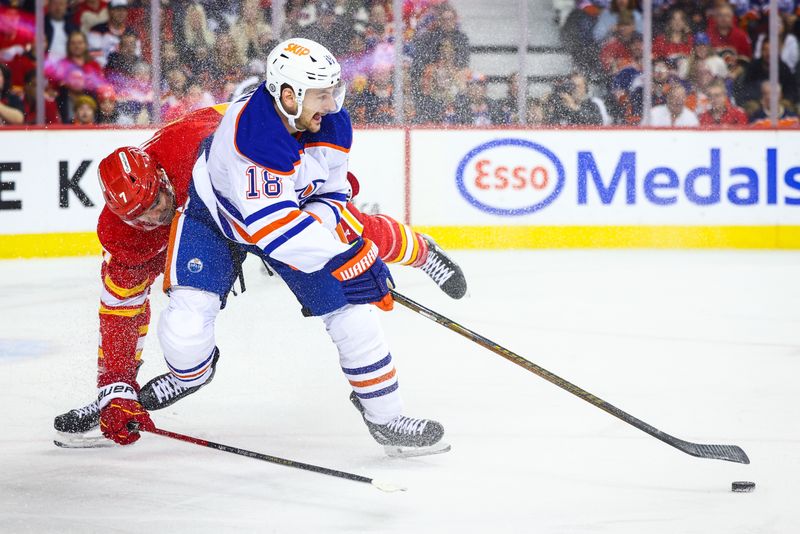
(383, 486)
(731, 453)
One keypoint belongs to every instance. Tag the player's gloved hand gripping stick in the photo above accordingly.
(364, 276)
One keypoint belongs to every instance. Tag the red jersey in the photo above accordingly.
(733, 115)
(133, 258)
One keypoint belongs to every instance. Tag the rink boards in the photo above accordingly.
(474, 188)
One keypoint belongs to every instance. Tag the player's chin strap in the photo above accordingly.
(291, 118)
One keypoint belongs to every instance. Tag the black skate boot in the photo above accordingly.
(405, 437)
(78, 420)
(443, 270)
(165, 390)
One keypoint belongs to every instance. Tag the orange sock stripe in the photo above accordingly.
(373, 381)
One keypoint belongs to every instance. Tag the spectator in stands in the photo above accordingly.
(506, 110)
(427, 101)
(85, 109)
(57, 29)
(119, 68)
(619, 52)
(579, 23)
(608, 20)
(379, 98)
(790, 49)
(104, 38)
(760, 116)
(378, 28)
(135, 98)
(299, 15)
(480, 110)
(673, 114)
(51, 115)
(90, 13)
(73, 86)
(11, 108)
(721, 111)
(172, 104)
(78, 58)
(724, 35)
(749, 86)
(252, 34)
(705, 56)
(228, 68)
(17, 29)
(107, 106)
(196, 32)
(676, 42)
(428, 44)
(699, 99)
(335, 32)
(534, 112)
(570, 105)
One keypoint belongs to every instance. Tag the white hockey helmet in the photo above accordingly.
(303, 64)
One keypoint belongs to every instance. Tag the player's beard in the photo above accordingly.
(309, 123)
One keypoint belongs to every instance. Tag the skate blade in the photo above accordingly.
(82, 441)
(395, 451)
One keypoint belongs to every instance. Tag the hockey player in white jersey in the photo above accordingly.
(272, 181)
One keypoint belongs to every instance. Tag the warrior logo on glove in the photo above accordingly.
(359, 264)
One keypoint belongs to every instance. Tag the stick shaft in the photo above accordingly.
(259, 456)
(721, 452)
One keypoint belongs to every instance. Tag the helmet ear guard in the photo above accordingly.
(302, 64)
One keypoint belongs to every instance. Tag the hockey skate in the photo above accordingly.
(78, 428)
(443, 270)
(405, 437)
(165, 390)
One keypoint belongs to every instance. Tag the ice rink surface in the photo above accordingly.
(703, 345)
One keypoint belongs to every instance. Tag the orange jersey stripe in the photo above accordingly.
(329, 145)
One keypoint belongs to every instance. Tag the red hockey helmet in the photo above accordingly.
(130, 182)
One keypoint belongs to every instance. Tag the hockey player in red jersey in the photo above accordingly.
(143, 187)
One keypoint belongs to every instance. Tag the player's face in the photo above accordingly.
(316, 104)
(160, 213)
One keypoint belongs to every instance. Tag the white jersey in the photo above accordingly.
(282, 193)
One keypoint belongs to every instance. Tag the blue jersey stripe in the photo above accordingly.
(263, 212)
(225, 203)
(378, 393)
(226, 228)
(369, 368)
(341, 197)
(331, 206)
(280, 240)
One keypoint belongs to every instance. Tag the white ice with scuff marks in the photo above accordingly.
(703, 345)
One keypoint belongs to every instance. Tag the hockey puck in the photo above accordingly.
(743, 486)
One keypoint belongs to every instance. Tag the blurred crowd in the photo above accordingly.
(710, 61)
(710, 64)
(98, 72)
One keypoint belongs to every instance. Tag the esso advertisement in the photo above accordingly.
(510, 177)
(604, 177)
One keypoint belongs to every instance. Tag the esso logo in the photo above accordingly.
(510, 177)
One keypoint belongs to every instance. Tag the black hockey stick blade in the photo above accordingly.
(731, 453)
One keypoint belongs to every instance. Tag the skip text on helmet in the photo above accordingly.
(296, 49)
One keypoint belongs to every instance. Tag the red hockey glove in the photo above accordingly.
(119, 407)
